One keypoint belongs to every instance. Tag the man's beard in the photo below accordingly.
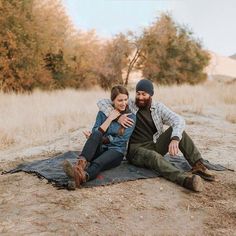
(143, 103)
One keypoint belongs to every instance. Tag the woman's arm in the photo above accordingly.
(121, 140)
(113, 115)
(102, 122)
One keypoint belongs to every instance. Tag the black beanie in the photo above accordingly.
(146, 86)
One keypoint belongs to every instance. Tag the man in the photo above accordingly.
(149, 143)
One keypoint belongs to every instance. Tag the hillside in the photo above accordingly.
(221, 65)
(233, 56)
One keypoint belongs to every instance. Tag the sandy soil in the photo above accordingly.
(221, 65)
(30, 206)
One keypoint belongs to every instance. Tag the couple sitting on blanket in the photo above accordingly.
(141, 123)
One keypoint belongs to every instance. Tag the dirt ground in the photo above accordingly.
(30, 206)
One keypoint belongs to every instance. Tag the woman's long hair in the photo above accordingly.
(115, 91)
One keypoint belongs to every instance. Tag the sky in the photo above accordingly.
(212, 21)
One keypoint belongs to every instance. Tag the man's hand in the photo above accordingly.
(125, 121)
(174, 147)
(87, 133)
(113, 115)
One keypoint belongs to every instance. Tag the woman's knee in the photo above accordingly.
(96, 135)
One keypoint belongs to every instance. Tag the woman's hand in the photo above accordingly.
(113, 115)
(87, 133)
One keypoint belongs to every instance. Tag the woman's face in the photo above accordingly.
(120, 102)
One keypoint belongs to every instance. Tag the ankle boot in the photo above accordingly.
(82, 162)
(75, 173)
(199, 169)
(68, 169)
(79, 175)
(193, 183)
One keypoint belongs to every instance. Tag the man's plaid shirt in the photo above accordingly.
(161, 116)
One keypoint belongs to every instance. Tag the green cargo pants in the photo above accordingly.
(150, 155)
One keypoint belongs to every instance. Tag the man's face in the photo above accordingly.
(142, 99)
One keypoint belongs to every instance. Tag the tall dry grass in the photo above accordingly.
(200, 98)
(43, 116)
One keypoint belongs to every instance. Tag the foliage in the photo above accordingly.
(116, 56)
(171, 55)
(39, 48)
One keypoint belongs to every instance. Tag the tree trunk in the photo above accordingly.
(131, 65)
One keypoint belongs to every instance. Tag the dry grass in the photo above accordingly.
(197, 99)
(43, 116)
(231, 116)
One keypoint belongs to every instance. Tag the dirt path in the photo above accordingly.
(29, 206)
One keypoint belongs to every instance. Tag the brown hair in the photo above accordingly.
(116, 90)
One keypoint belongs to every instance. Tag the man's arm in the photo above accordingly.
(174, 120)
(177, 123)
(105, 106)
(121, 140)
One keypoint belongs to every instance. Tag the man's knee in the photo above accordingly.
(185, 136)
(145, 157)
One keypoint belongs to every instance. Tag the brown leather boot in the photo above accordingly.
(68, 169)
(79, 174)
(193, 183)
(75, 173)
(82, 162)
(199, 169)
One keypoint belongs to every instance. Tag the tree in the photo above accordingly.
(29, 31)
(17, 46)
(171, 55)
(116, 57)
(84, 56)
(136, 50)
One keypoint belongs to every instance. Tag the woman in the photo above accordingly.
(105, 145)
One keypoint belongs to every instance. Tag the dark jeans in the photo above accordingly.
(150, 155)
(100, 158)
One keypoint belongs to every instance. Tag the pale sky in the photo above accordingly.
(213, 21)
